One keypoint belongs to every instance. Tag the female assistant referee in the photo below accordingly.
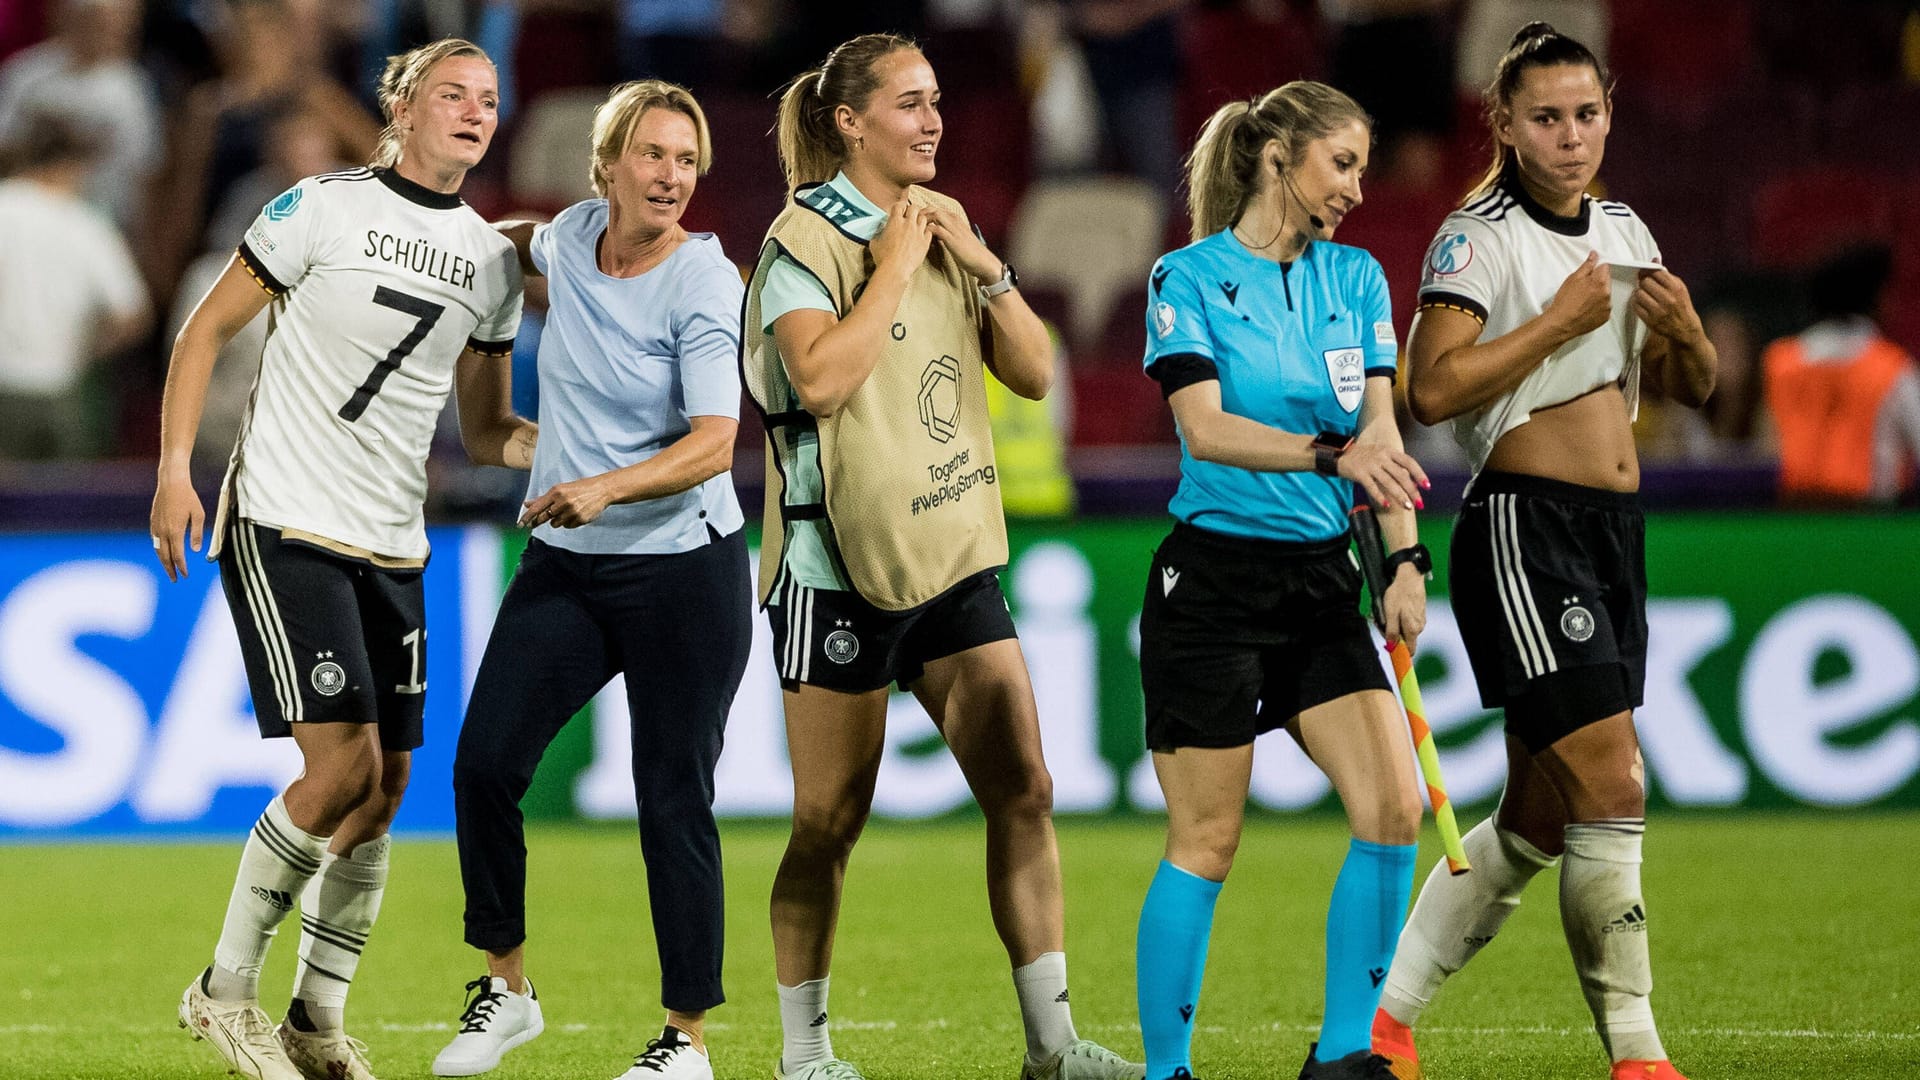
(1276, 350)
(1541, 309)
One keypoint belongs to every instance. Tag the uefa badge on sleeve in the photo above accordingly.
(1162, 319)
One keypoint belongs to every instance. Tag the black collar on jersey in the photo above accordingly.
(414, 193)
(1547, 219)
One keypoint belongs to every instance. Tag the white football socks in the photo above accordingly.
(337, 912)
(1606, 926)
(1042, 987)
(275, 866)
(1455, 917)
(803, 1024)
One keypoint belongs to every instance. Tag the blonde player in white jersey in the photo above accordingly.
(386, 291)
(1541, 310)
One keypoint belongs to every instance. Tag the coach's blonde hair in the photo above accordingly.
(811, 146)
(615, 119)
(1223, 171)
(401, 82)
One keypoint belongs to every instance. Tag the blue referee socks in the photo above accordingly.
(1363, 924)
(1170, 955)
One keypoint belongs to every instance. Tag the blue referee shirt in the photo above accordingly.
(624, 363)
(1293, 347)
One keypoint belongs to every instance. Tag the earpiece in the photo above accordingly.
(1312, 217)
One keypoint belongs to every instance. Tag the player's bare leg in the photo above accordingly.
(981, 699)
(834, 741)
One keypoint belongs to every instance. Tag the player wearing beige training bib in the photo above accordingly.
(873, 311)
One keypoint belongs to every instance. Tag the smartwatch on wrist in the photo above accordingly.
(1327, 448)
(1418, 555)
(1008, 281)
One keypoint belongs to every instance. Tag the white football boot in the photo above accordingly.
(239, 1032)
(670, 1057)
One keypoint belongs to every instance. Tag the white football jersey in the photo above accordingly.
(1500, 258)
(378, 285)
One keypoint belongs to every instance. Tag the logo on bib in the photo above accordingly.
(1577, 623)
(283, 207)
(940, 399)
(1451, 253)
(1347, 374)
(841, 647)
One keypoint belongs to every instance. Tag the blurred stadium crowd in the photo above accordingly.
(1769, 146)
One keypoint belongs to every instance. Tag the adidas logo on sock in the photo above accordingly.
(1186, 1012)
(1062, 999)
(275, 898)
(818, 1020)
(1473, 942)
(1633, 922)
(1376, 974)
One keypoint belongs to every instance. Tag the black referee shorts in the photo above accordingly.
(1549, 584)
(1239, 636)
(836, 639)
(326, 639)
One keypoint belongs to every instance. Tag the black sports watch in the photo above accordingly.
(1327, 448)
(1418, 555)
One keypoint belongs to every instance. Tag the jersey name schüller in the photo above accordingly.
(378, 285)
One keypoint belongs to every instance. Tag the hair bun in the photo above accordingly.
(1535, 29)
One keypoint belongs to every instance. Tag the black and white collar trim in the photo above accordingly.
(1545, 218)
(414, 193)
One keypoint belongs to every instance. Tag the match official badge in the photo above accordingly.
(283, 207)
(1347, 374)
(1577, 623)
(1162, 319)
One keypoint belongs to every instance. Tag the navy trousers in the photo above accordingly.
(679, 627)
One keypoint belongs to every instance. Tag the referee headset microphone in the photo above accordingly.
(1312, 218)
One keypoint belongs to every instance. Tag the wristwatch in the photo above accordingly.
(1327, 448)
(1008, 280)
(1418, 555)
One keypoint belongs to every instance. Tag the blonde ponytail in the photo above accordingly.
(806, 133)
(1223, 170)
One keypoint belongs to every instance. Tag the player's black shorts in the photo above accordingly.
(1549, 584)
(326, 639)
(1239, 636)
(836, 639)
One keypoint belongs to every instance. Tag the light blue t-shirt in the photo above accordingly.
(789, 287)
(811, 558)
(1294, 346)
(624, 364)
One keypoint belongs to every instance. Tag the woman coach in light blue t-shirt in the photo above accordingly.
(635, 526)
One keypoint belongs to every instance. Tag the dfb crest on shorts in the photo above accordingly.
(1347, 374)
(329, 678)
(1577, 623)
(940, 399)
(841, 646)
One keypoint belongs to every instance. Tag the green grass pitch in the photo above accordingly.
(1784, 946)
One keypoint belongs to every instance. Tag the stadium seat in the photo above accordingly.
(1395, 224)
(1802, 215)
(1230, 52)
(1691, 56)
(1093, 237)
(1118, 407)
(550, 148)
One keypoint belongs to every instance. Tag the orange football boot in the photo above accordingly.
(1634, 1070)
(1393, 1040)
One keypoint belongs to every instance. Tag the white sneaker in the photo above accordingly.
(670, 1057)
(1084, 1059)
(239, 1032)
(326, 1055)
(495, 1021)
(824, 1069)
